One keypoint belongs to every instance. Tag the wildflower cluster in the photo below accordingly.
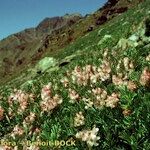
(1, 113)
(119, 80)
(88, 102)
(49, 102)
(29, 119)
(101, 96)
(101, 99)
(112, 100)
(89, 74)
(17, 131)
(89, 136)
(127, 65)
(79, 119)
(18, 97)
(74, 96)
(5, 147)
(145, 77)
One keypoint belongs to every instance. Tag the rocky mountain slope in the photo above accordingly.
(16, 50)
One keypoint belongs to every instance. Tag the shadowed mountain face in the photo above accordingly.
(20, 50)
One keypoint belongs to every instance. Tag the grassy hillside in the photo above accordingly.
(95, 97)
(26, 48)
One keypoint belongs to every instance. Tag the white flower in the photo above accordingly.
(65, 82)
(148, 58)
(19, 97)
(79, 119)
(74, 96)
(117, 80)
(49, 102)
(126, 62)
(89, 136)
(88, 103)
(112, 100)
(46, 92)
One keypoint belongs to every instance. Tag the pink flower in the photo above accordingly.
(49, 102)
(65, 82)
(131, 85)
(1, 113)
(145, 77)
(74, 96)
(117, 80)
(46, 92)
(112, 100)
(17, 131)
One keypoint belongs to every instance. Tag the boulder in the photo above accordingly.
(125, 43)
(45, 63)
(134, 38)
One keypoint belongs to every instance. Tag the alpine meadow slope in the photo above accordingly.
(93, 93)
(22, 50)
